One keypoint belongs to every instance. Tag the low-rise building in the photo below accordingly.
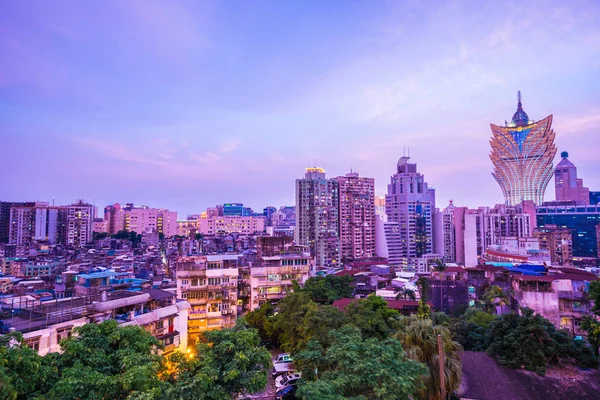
(45, 323)
(209, 284)
(279, 263)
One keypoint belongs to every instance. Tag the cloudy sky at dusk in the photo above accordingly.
(189, 104)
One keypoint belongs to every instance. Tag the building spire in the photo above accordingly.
(520, 118)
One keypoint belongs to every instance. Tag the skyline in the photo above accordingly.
(193, 105)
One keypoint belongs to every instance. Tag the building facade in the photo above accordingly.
(410, 204)
(445, 234)
(5, 207)
(522, 154)
(558, 242)
(279, 263)
(139, 219)
(317, 216)
(230, 224)
(39, 222)
(209, 284)
(80, 221)
(357, 216)
(581, 220)
(566, 184)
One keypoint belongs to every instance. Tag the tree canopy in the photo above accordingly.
(356, 368)
(532, 342)
(329, 288)
(229, 363)
(105, 361)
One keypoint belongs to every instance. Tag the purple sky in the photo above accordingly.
(189, 104)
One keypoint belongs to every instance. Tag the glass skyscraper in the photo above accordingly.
(522, 154)
(580, 219)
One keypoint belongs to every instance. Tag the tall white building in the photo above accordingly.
(139, 219)
(410, 204)
(40, 222)
(357, 216)
(80, 219)
(445, 234)
(317, 216)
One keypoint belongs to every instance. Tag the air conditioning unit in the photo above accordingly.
(225, 312)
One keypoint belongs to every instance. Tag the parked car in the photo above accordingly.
(287, 393)
(282, 368)
(283, 358)
(291, 378)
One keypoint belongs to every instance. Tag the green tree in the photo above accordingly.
(329, 288)
(532, 342)
(24, 374)
(440, 267)
(592, 326)
(230, 363)
(418, 336)
(121, 235)
(261, 320)
(470, 328)
(357, 368)
(423, 310)
(406, 294)
(594, 294)
(288, 324)
(493, 298)
(105, 361)
(373, 317)
(319, 322)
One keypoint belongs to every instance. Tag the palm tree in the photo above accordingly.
(423, 311)
(494, 296)
(440, 267)
(419, 339)
(406, 294)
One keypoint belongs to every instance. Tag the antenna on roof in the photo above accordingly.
(519, 97)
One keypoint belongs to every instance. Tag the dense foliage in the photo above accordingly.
(329, 288)
(105, 361)
(354, 367)
(592, 323)
(526, 341)
(532, 342)
(231, 362)
(360, 351)
(418, 336)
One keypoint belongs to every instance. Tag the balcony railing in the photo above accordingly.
(575, 295)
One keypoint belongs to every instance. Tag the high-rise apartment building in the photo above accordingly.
(380, 205)
(209, 284)
(80, 220)
(140, 218)
(559, 243)
(317, 218)
(68, 225)
(410, 204)
(580, 219)
(485, 227)
(522, 155)
(445, 234)
(278, 265)
(566, 184)
(115, 218)
(5, 207)
(357, 216)
(230, 224)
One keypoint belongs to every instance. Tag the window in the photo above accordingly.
(63, 333)
(214, 281)
(34, 343)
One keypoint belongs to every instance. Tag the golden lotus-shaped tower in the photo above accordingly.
(522, 154)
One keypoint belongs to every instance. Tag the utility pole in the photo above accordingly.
(442, 363)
